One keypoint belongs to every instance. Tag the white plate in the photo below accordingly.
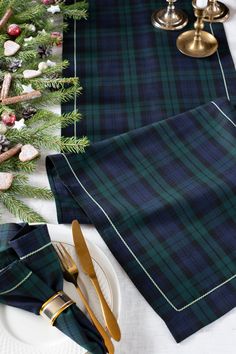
(25, 333)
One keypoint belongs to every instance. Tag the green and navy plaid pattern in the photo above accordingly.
(30, 274)
(163, 198)
(132, 74)
(162, 195)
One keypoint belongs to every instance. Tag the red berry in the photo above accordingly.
(14, 30)
(48, 2)
(8, 118)
(58, 36)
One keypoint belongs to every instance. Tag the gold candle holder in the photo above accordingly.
(169, 18)
(197, 43)
(216, 12)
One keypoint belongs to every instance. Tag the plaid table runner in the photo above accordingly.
(133, 74)
(163, 198)
(30, 274)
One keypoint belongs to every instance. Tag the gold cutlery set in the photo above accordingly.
(71, 272)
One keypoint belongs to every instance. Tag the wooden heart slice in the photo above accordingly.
(28, 153)
(6, 180)
(30, 74)
(10, 48)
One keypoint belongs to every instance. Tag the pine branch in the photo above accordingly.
(3, 38)
(70, 118)
(47, 119)
(43, 80)
(75, 14)
(27, 55)
(20, 179)
(58, 68)
(35, 11)
(5, 109)
(14, 164)
(56, 84)
(39, 138)
(59, 96)
(40, 39)
(76, 11)
(40, 128)
(28, 191)
(17, 5)
(3, 6)
(73, 144)
(19, 209)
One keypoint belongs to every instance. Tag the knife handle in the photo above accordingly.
(110, 320)
(108, 343)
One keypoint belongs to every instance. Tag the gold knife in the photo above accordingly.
(88, 268)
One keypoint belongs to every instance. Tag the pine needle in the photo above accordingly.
(19, 208)
(40, 128)
(14, 164)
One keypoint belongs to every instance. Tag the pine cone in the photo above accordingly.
(14, 65)
(28, 112)
(44, 51)
(4, 143)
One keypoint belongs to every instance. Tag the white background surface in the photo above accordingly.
(143, 332)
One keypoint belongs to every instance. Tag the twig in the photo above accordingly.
(5, 18)
(21, 98)
(11, 152)
(6, 86)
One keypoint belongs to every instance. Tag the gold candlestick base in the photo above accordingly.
(197, 43)
(170, 18)
(216, 12)
(202, 48)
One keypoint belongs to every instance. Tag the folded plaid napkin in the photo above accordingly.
(133, 74)
(30, 274)
(163, 198)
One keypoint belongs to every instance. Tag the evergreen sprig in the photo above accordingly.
(14, 164)
(19, 208)
(39, 138)
(37, 25)
(76, 11)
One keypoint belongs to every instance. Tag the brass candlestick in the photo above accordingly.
(197, 43)
(216, 12)
(169, 18)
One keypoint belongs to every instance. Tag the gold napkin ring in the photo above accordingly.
(55, 305)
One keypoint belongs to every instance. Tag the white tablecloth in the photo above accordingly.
(143, 331)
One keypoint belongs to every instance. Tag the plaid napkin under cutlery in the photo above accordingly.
(30, 274)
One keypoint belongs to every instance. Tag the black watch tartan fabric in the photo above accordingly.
(163, 198)
(30, 274)
(158, 181)
(132, 74)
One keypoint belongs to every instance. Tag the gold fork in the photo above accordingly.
(70, 273)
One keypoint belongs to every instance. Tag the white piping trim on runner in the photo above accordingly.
(221, 67)
(133, 254)
(2, 270)
(36, 251)
(104, 212)
(75, 70)
(17, 285)
(230, 120)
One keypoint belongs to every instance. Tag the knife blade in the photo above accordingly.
(88, 268)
